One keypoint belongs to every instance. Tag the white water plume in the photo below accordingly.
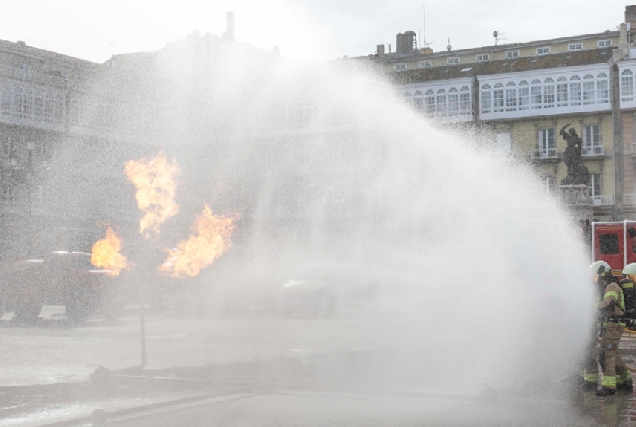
(483, 277)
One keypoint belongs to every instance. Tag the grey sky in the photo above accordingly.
(302, 29)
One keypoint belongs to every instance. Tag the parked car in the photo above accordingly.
(327, 289)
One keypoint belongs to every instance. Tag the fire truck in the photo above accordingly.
(614, 243)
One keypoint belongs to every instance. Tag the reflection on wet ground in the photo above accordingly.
(308, 384)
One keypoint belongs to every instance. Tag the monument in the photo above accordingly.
(575, 190)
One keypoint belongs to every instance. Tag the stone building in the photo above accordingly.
(523, 94)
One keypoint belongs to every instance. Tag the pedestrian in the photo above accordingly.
(610, 310)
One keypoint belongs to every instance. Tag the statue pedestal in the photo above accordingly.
(578, 199)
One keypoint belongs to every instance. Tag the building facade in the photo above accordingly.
(524, 94)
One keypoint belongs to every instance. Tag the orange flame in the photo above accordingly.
(106, 254)
(156, 188)
(210, 240)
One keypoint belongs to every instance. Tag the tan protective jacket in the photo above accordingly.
(613, 292)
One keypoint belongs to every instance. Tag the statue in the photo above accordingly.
(577, 173)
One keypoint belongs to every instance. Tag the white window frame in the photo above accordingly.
(402, 66)
(574, 47)
(512, 54)
(545, 50)
(446, 101)
(453, 60)
(546, 143)
(424, 64)
(554, 91)
(482, 57)
(604, 43)
(592, 145)
(596, 179)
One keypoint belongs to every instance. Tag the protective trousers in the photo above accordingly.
(614, 370)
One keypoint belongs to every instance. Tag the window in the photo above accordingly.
(429, 103)
(511, 97)
(547, 143)
(575, 90)
(9, 148)
(602, 91)
(595, 184)
(465, 106)
(486, 98)
(512, 54)
(562, 92)
(453, 102)
(440, 102)
(604, 43)
(424, 64)
(7, 100)
(548, 93)
(498, 98)
(543, 50)
(451, 61)
(400, 67)
(608, 244)
(38, 105)
(592, 141)
(589, 91)
(418, 101)
(24, 71)
(575, 46)
(483, 57)
(535, 94)
(524, 95)
(627, 85)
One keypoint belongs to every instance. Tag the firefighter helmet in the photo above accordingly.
(600, 268)
(629, 269)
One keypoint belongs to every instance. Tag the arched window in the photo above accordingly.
(486, 99)
(465, 106)
(524, 95)
(429, 103)
(602, 76)
(627, 85)
(535, 95)
(589, 90)
(562, 92)
(575, 90)
(453, 102)
(511, 96)
(548, 93)
(418, 101)
(498, 98)
(440, 102)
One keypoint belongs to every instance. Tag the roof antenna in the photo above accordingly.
(423, 41)
(497, 35)
(449, 47)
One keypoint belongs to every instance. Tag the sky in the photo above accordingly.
(302, 30)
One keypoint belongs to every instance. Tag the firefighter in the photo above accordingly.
(610, 309)
(629, 293)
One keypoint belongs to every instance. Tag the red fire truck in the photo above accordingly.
(614, 243)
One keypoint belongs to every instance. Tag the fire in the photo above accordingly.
(156, 188)
(106, 254)
(210, 240)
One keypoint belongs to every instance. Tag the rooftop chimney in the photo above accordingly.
(229, 20)
(379, 51)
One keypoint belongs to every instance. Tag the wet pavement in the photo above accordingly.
(254, 371)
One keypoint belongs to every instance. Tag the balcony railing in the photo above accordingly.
(550, 153)
(595, 150)
(629, 199)
(603, 200)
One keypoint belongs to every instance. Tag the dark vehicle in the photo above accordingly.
(59, 278)
(327, 289)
